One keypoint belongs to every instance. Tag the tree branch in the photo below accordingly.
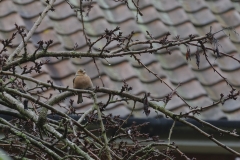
(30, 33)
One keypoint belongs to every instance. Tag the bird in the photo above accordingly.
(81, 81)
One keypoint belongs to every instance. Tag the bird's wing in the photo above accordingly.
(74, 79)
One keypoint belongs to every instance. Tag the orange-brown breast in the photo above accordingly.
(82, 82)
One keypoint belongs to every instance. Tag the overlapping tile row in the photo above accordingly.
(220, 14)
(199, 86)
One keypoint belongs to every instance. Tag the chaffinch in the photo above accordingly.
(82, 81)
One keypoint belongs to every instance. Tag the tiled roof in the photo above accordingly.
(199, 87)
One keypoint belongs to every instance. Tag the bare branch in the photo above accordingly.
(30, 33)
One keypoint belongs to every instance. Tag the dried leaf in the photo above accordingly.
(146, 105)
(188, 54)
(197, 58)
(217, 51)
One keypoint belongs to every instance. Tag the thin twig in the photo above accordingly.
(215, 128)
(81, 14)
(125, 119)
(170, 134)
(210, 137)
(104, 133)
(30, 33)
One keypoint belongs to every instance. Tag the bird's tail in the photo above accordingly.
(80, 100)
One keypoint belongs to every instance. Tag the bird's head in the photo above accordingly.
(80, 72)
